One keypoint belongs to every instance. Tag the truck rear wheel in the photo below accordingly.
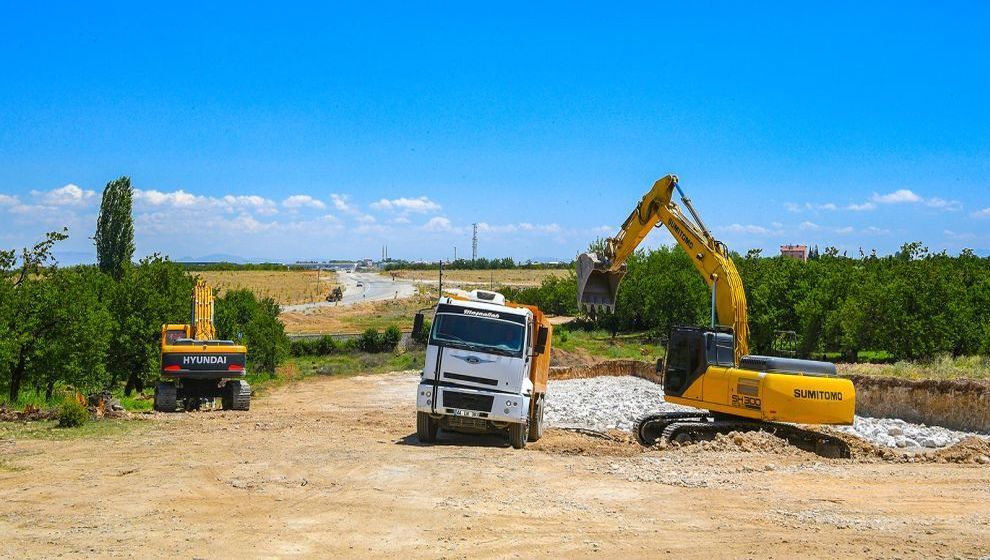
(236, 394)
(426, 428)
(165, 397)
(517, 435)
(536, 421)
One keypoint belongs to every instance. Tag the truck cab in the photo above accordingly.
(486, 368)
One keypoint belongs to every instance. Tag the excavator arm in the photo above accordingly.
(202, 312)
(599, 275)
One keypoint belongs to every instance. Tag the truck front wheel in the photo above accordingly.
(517, 435)
(426, 428)
(536, 421)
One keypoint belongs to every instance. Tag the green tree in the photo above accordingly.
(154, 292)
(115, 228)
(240, 316)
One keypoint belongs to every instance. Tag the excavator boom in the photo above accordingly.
(599, 275)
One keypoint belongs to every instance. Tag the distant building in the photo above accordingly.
(799, 252)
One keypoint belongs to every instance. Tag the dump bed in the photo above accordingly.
(540, 367)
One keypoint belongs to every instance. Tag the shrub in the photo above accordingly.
(370, 340)
(71, 413)
(390, 339)
(326, 345)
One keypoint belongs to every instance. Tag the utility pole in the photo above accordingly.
(474, 243)
(455, 252)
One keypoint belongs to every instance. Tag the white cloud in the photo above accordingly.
(807, 206)
(809, 226)
(985, 213)
(749, 228)
(873, 230)
(257, 203)
(438, 223)
(175, 199)
(420, 205)
(899, 196)
(340, 202)
(845, 230)
(8, 200)
(942, 204)
(69, 195)
(303, 201)
(861, 207)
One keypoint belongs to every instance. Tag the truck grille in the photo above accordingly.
(468, 401)
(471, 378)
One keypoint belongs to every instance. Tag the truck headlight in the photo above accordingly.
(508, 403)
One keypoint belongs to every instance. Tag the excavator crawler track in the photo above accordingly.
(649, 427)
(691, 427)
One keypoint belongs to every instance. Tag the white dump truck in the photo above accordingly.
(486, 368)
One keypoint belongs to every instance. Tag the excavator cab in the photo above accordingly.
(597, 285)
(690, 352)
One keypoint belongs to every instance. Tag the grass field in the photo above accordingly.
(944, 367)
(359, 316)
(285, 286)
(482, 278)
(601, 345)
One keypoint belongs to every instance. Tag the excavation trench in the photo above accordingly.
(899, 415)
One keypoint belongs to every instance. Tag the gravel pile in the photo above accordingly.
(604, 403)
(893, 432)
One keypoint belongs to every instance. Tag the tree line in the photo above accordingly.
(480, 263)
(914, 304)
(98, 327)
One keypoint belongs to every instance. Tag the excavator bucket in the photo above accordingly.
(596, 285)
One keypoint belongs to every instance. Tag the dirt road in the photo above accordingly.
(360, 287)
(331, 468)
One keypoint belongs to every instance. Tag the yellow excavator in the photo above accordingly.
(709, 369)
(198, 368)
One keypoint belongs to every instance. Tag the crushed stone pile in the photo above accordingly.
(603, 403)
(893, 432)
(614, 403)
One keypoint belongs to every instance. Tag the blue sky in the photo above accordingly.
(294, 132)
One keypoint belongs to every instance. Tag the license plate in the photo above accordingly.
(464, 413)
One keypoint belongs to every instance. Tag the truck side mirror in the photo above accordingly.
(541, 340)
(418, 324)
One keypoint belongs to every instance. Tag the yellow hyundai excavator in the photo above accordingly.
(709, 368)
(196, 367)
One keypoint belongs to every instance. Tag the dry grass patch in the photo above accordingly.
(359, 316)
(483, 278)
(284, 286)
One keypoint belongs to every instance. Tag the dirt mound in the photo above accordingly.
(973, 450)
(30, 413)
(747, 442)
(614, 368)
(613, 443)
(578, 358)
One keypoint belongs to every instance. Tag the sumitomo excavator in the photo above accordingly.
(709, 368)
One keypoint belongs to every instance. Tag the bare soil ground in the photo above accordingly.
(331, 468)
(285, 286)
(483, 278)
(357, 317)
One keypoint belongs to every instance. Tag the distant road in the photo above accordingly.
(374, 287)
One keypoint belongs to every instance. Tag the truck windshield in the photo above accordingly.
(476, 333)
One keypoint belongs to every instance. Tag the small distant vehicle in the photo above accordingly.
(360, 284)
(486, 368)
(335, 295)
